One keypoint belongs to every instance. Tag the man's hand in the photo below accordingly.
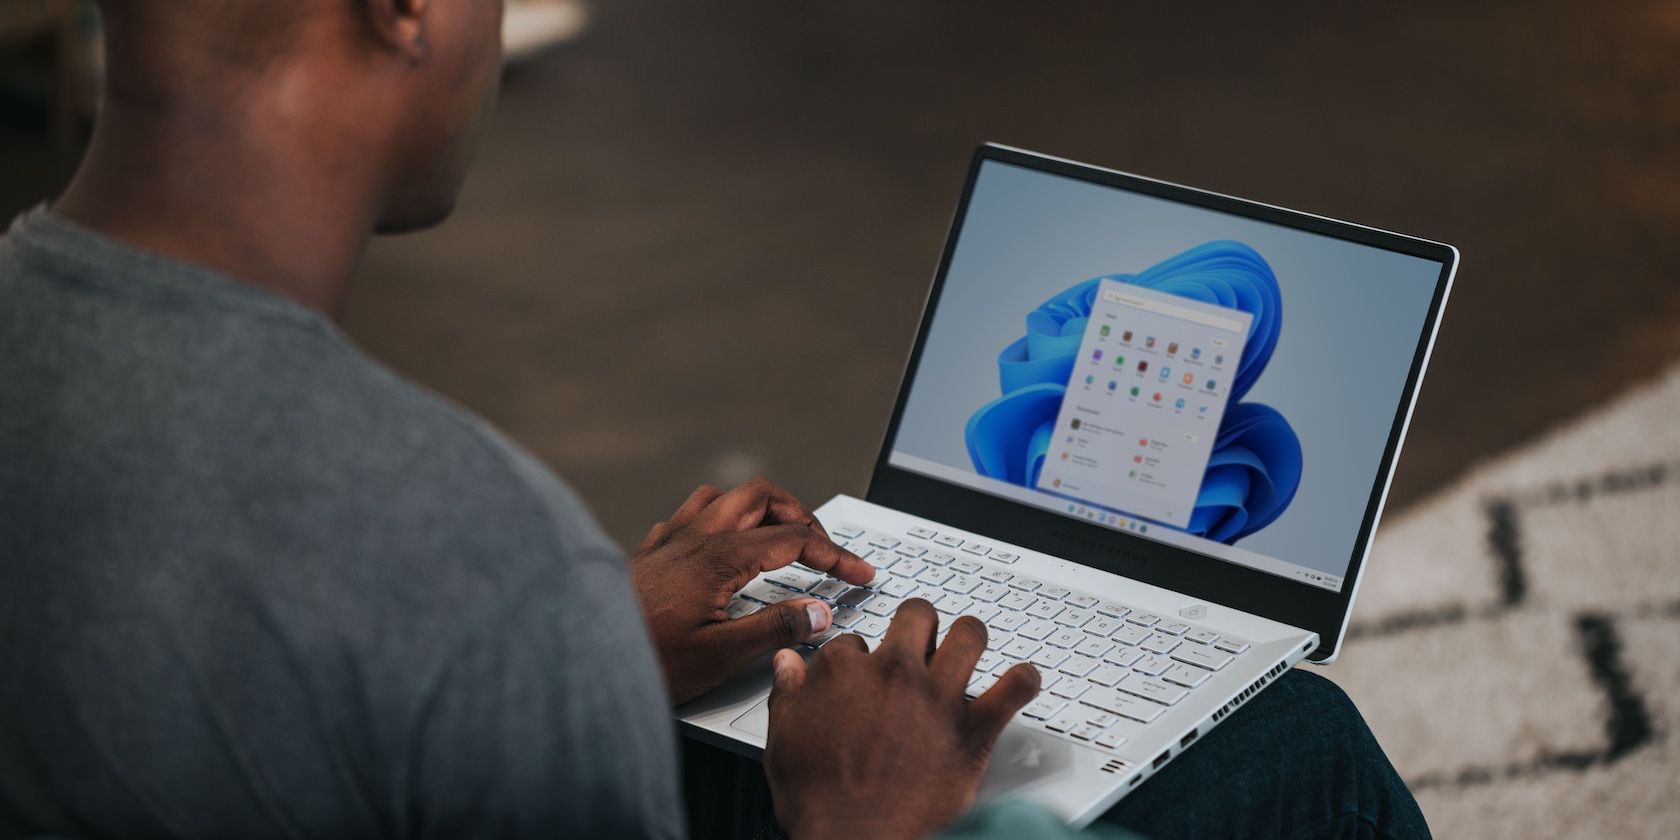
(688, 567)
(882, 744)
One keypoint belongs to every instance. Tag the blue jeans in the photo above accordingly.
(1297, 761)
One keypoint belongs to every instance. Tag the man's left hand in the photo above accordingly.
(688, 567)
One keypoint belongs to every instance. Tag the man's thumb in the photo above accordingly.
(779, 626)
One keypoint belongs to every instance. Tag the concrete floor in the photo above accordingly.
(697, 241)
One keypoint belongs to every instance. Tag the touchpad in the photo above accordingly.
(756, 720)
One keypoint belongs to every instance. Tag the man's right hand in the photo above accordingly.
(883, 744)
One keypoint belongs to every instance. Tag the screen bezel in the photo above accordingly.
(1130, 555)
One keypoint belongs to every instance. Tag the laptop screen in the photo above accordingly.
(1198, 378)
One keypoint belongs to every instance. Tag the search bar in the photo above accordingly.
(1183, 313)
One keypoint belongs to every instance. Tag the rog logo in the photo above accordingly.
(1029, 754)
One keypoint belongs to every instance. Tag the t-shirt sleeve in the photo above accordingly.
(552, 720)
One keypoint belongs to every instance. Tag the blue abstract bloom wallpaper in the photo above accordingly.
(1332, 328)
(1256, 460)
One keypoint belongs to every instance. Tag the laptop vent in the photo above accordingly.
(1242, 696)
(1114, 765)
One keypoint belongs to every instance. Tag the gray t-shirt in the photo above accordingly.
(254, 584)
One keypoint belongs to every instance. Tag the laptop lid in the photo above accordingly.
(1192, 390)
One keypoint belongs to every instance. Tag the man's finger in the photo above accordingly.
(911, 632)
(787, 671)
(953, 663)
(774, 546)
(788, 623)
(757, 502)
(655, 536)
(992, 711)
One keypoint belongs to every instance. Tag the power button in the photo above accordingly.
(1194, 612)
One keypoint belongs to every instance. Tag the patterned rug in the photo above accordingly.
(1516, 643)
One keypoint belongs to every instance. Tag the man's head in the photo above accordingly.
(391, 93)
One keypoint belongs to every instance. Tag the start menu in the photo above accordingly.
(1144, 402)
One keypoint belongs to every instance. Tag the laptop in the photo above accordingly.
(1144, 434)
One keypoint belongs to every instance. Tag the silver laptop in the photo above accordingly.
(1144, 434)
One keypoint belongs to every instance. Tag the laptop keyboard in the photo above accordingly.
(1106, 667)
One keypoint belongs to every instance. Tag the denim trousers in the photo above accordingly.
(1297, 761)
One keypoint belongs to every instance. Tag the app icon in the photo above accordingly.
(1126, 336)
(1096, 355)
(1219, 360)
(1172, 348)
(1157, 396)
(1119, 361)
(1201, 409)
(1165, 372)
(1070, 508)
(1195, 352)
(1143, 529)
(1064, 455)
(1134, 390)
(1132, 474)
(1137, 459)
(1189, 378)
(1089, 379)
(1143, 365)
(1211, 384)
(1103, 331)
(1180, 402)
(1143, 441)
(1112, 384)
(1056, 483)
(1070, 438)
(1074, 424)
(1149, 342)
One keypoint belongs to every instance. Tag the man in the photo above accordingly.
(253, 584)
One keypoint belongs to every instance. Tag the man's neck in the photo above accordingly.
(251, 192)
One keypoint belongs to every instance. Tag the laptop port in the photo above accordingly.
(1162, 759)
(1185, 741)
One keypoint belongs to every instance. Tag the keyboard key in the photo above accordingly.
(823, 638)
(1020, 648)
(1143, 619)
(1231, 645)
(921, 533)
(966, 567)
(1212, 660)
(984, 612)
(1056, 592)
(1036, 630)
(1008, 622)
(1123, 657)
(1184, 675)
(1044, 708)
(795, 579)
(1070, 689)
(908, 568)
(871, 626)
(1130, 634)
(846, 617)
(1074, 617)
(1150, 665)
(854, 597)
(1085, 732)
(1005, 556)
(1102, 625)
(1124, 705)
(1202, 637)
(848, 531)
(976, 548)
(962, 584)
(989, 593)
(941, 558)
(1016, 600)
(1112, 610)
(954, 604)
(1107, 675)
(1078, 665)
(1064, 638)
(1026, 584)
(997, 576)
(883, 541)
(988, 660)
(1110, 740)
(1177, 628)
(1102, 720)
(911, 550)
(980, 685)
(1049, 658)
(1150, 689)
(949, 540)
(1159, 643)
(1094, 647)
(1062, 723)
(899, 588)
(766, 592)
(881, 605)
(1045, 609)
(829, 589)
(934, 577)
(1084, 602)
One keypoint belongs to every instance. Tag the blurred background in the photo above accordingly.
(698, 236)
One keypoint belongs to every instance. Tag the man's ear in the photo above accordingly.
(399, 24)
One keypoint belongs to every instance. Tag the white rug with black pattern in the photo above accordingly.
(1516, 642)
